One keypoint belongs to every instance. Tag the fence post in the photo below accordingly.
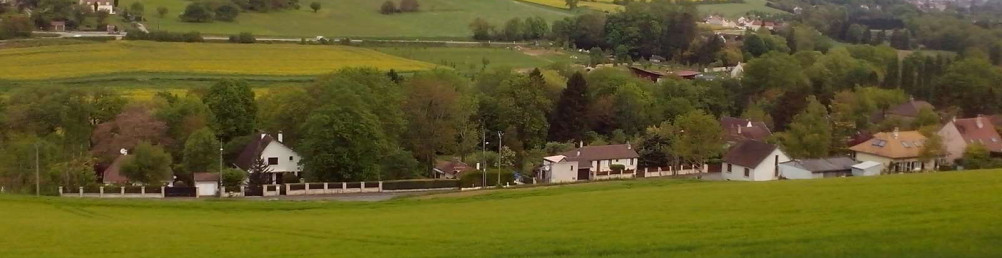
(162, 193)
(101, 192)
(344, 187)
(142, 191)
(242, 191)
(60, 191)
(121, 190)
(196, 191)
(361, 184)
(380, 186)
(81, 191)
(307, 188)
(326, 189)
(287, 189)
(1, 189)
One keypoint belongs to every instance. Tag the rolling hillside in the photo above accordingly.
(950, 214)
(355, 18)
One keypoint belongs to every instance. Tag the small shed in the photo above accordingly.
(867, 168)
(207, 183)
(817, 168)
(58, 26)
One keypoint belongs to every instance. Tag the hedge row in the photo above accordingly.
(165, 36)
(420, 184)
(473, 179)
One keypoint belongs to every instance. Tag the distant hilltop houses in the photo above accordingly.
(741, 23)
(99, 5)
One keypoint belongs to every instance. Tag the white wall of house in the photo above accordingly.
(563, 172)
(870, 171)
(765, 171)
(603, 165)
(288, 160)
(915, 164)
(789, 171)
(207, 188)
(953, 142)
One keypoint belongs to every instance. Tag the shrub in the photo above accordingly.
(388, 7)
(15, 27)
(475, 178)
(617, 167)
(227, 12)
(290, 178)
(197, 12)
(243, 37)
(233, 177)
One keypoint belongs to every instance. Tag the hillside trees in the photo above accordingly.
(233, 108)
(699, 138)
(315, 6)
(15, 26)
(569, 120)
(388, 7)
(197, 12)
(342, 142)
(810, 133)
(435, 106)
(133, 126)
(201, 152)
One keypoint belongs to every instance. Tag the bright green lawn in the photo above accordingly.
(470, 59)
(951, 214)
(734, 11)
(355, 18)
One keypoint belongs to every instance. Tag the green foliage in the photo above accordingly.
(226, 12)
(342, 142)
(436, 107)
(243, 37)
(147, 164)
(162, 11)
(409, 6)
(388, 7)
(481, 29)
(315, 6)
(774, 71)
(569, 120)
(699, 137)
(15, 26)
(420, 184)
(810, 133)
(232, 105)
(976, 156)
(197, 12)
(525, 106)
(476, 178)
(972, 84)
(233, 178)
(201, 152)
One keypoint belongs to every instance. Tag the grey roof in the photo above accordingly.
(823, 165)
(749, 153)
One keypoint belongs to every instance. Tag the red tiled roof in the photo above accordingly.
(749, 153)
(737, 129)
(602, 152)
(206, 177)
(983, 132)
(111, 175)
(452, 166)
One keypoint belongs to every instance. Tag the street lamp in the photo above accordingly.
(220, 181)
(37, 184)
(499, 158)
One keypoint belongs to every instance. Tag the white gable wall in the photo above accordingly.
(953, 142)
(563, 172)
(288, 160)
(765, 171)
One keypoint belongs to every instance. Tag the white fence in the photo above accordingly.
(115, 193)
(672, 171)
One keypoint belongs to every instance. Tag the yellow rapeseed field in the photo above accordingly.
(203, 58)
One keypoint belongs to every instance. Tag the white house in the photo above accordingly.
(207, 183)
(897, 151)
(99, 5)
(281, 160)
(816, 168)
(867, 168)
(590, 163)
(752, 160)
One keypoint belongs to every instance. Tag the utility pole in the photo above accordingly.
(220, 182)
(483, 159)
(499, 159)
(37, 184)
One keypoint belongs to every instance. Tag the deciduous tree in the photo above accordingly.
(810, 133)
(233, 107)
(699, 138)
(148, 164)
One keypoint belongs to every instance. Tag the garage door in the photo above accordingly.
(206, 189)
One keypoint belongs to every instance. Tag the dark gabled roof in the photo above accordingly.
(206, 177)
(252, 152)
(910, 108)
(824, 165)
(112, 174)
(586, 154)
(749, 153)
(738, 129)
(451, 166)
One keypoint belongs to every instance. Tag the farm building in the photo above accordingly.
(817, 168)
(959, 133)
(281, 160)
(207, 184)
(897, 151)
(751, 160)
(590, 163)
(867, 168)
(905, 113)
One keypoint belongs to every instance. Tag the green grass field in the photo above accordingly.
(355, 18)
(51, 62)
(950, 214)
(734, 11)
(470, 59)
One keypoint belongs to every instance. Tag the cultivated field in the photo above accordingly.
(605, 6)
(355, 18)
(68, 61)
(470, 59)
(735, 11)
(949, 214)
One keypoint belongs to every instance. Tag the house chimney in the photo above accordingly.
(263, 135)
(629, 146)
(978, 122)
(739, 129)
(280, 138)
(895, 133)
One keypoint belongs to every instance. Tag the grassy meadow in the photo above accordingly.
(53, 62)
(355, 18)
(604, 6)
(950, 214)
(735, 11)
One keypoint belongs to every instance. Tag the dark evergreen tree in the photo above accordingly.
(569, 120)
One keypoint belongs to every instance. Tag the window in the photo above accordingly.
(290, 158)
(631, 162)
(747, 172)
(728, 168)
(273, 161)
